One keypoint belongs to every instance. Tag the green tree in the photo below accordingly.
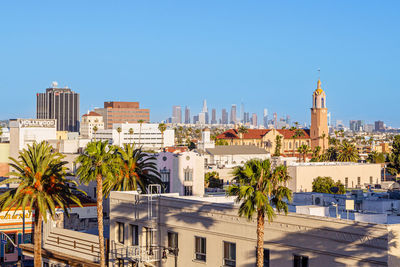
(42, 188)
(136, 169)
(140, 131)
(394, 157)
(162, 127)
(212, 180)
(297, 134)
(1, 132)
(242, 130)
(130, 131)
(97, 162)
(316, 156)
(192, 146)
(119, 130)
(259, 189)
(221, 142)
(95, 129)
(331, 154)
(375, 157)
(325, 185)
(347, 153)
(304, 150)
(278, 145)
(323, 136)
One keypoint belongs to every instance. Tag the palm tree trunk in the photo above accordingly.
(260, 238)
(37, 250)
(99, 181)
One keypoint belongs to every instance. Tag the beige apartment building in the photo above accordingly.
(122, 112)
(169, 230)
(352, 175)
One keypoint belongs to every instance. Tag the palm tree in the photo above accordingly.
(95, 129)
(140, 130)
(348, 153)
(242, 130)
(259, 189)
(135, 169)
(278, 145)
(316, 154)
(323, 136)
(42, 188)
(162, 127)
(303, 151)
(131, 134)
(119, 130)
(1, 132)
(297, 133)
(97, 162)
(331, 154)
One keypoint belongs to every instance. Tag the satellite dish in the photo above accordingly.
(334, 189)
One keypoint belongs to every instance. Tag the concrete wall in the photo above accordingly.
(326, 241)
(304, 174)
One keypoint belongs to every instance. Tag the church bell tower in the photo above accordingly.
(319, 119)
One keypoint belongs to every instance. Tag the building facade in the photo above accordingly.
(122, 112)
(91, 123)
(61, 104)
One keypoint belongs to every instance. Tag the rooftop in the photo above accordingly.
(236, 150)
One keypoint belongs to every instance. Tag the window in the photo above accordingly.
(134, 235)
(172, 242)
(229, 254)
(300, 261)
(358, 180)
(188, 190)
(165, 178)
(323, 102)
(94, 192)
(9, 248)
(45, 264)
(188, 174)
(149, 237)
(266, 257)
(200, 248)
(346, 182)
(120, 263)
(371, 180)
(120, 232)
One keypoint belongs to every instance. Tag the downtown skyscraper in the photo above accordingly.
(61, 104)
(176, 114)
(224, 117)
(233, 114)
(187, 115)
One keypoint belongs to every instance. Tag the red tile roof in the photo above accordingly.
(259, 133)
(91, 113)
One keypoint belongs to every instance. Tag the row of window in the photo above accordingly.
(346, 181)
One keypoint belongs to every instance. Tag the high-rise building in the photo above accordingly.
(254, 119)
(61, 104)
(246, 117)
(205, 111)
(233, 114)
(224, 117)
(187, 115)
(379, 126)
(356, 125)
(265, 118)
(195, 119)
(275, 120)
(176, 114)
(319, 119)
(202, 118)
(122, 112)
(242, 112)
(214, 116)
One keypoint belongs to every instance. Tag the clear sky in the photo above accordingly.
(163, 53)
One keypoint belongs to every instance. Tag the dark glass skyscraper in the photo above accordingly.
(61, 104)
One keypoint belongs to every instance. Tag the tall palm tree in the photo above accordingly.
(119, 130)
(95, 129)
(140, 130)
(303, 151)
(242, 130)
(316, 154)
(43, 187)
(136, 169)
(323, 136)
(348, 152)
(97, 162)
(131, 134)
(259, 189)
(297, 134)
(162, 127)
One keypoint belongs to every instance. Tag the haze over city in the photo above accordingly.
(265, 55)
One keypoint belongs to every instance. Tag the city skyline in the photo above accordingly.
(206, 53)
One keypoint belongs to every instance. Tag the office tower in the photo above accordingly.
(176, 114)
(356, 125)
(275, 120)
(242, 112)
(224, 117)
(205, 111)
(319, 119)
(246, 117)
(122, 112)
(202, 118)
(233, 114)
(265, 118)
(214, 116)
(195, 119)
(61, 104)
(379, 126)
(254, 119)
(187, 115)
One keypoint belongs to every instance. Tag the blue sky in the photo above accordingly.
(163, 53)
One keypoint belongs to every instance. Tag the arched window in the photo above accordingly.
(315, 102)
(322, 103)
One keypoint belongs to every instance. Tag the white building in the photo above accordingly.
(146, 135)
(182, 173)
(205, 141)
(89, 122)
(24, 132)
